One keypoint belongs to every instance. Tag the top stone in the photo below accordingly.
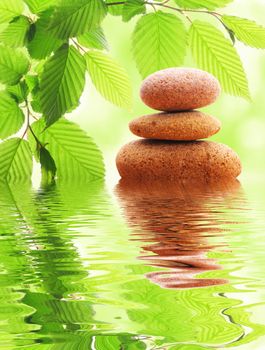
(179, 89)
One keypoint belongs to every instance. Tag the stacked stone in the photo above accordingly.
(171, 145)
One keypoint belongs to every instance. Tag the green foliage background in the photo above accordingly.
(49, 48)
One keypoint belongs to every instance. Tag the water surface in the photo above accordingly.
(145, 266)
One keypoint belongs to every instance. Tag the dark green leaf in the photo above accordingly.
(62, 83)
(94, 39)
(76, 156)
(32, 31)
(11, 116)
(159, 41)
(16, 161)
(10, 9)
(48, 167)
(73, 18)
(215, 53)
(43, 42)
(132, 8)
(13, 65)
(249, 32)
(15, 35)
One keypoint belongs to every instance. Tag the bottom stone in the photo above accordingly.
(170, 159)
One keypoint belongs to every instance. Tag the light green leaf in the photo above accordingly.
(215, 53)
(43, 42)
(249, 32)
(110, 79)
(35, 103)
(32, 82)
(13, 65)
(16, 161)
(75, 154)
(11, 116)
(19, 92)
(207, 4)
(15, 35)
(62, 83)
(73, 18)
(132, 8)
(34, 87)
(159, 41)
(38, 6)
(94, 39)
(114, 10)
(10, 9)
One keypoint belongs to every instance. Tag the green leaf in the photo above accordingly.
(159, 41)
(249, 32)
(32, 82)
(115, 10)
(19, 92)
(75, 154)
(11, 116)
(15, 35)
(43, 42)
(16, 160)
(132, 8)
(38, 6)
(62, 83)
(48, 167)
(94, 39)
(73, 18)
(13, 65)
(35, 103)
(10, 9)
(215, 53)
(110, 79)
(207, 4)
(34, 87)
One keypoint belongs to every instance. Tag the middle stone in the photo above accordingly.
(178, 126)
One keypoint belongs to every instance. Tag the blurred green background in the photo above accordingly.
(243, 122)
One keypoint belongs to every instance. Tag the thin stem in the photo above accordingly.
(115, 3)
(35, 137)
(27, 120)
(166, 6)
(153, 6)
(163, 4)
(78, 46)
(28, 126)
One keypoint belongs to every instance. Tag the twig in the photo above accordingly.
(163, 4)
(115, 3)
(78, 46)
(35, 137)
(27, 121)
(28, 126)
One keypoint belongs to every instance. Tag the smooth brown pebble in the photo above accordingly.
(153, 159)
(178, 89)
(182, 126)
